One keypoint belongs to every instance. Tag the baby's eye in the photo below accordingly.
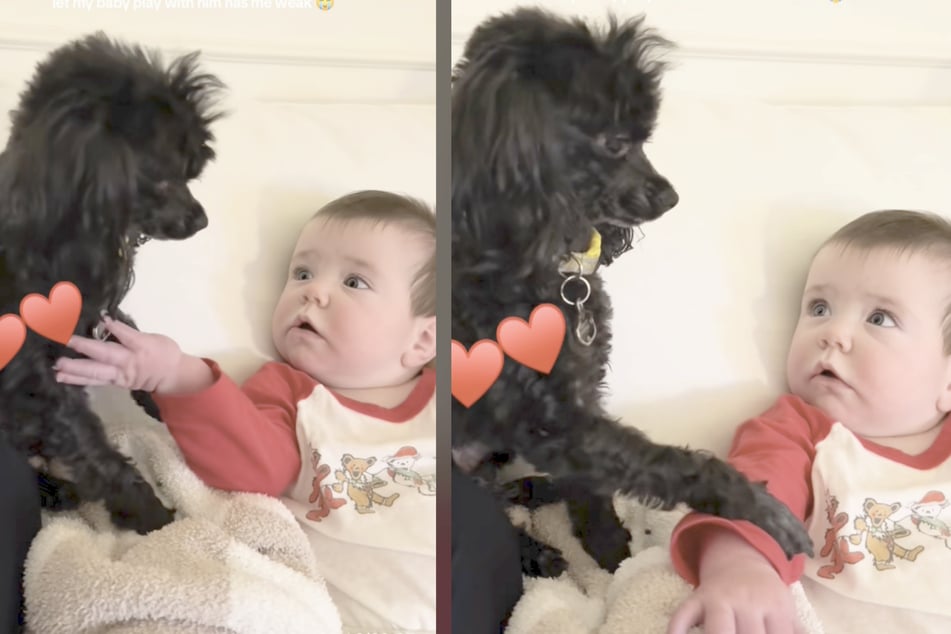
(818, 308)
(353, 281)
(881, 318)
(301, 274)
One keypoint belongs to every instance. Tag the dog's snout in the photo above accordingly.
(666, 199)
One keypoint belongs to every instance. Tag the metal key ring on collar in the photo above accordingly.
(587, 285)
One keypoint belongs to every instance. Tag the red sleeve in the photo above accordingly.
(777, 448)
(241, 439)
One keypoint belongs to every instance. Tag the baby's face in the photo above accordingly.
(345, 316)
(868, 349)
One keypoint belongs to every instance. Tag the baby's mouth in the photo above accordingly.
(303, 324)
(829, 373)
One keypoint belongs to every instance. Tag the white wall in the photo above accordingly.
(358, 51)
(803, 51)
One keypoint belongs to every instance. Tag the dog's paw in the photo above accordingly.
(541, 560)
(142, 520)
(609, 545)
(775, 518)
(531, 492)
(139, 509)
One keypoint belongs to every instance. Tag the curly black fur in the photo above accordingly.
(102, 146)
(549, 122)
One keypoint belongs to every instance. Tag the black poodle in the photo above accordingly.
(549, 122)
(101, 148)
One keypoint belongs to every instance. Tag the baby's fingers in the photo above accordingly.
(105, 351)
(76, 379)
(86, 372)
(689, 613)
(127, 335)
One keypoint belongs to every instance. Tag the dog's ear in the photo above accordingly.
(512, 136)
(502, 127)
(66, 176)
(506, 145)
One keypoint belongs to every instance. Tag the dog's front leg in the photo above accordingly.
(611, 458)
(595, 523)
(98, 470)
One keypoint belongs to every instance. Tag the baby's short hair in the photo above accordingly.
(906, 232)
(407, 212)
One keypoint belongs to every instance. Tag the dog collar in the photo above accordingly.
(583, 263)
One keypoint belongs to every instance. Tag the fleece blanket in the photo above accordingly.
(230, 562)
(639, 598)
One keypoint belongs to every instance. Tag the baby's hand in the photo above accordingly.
(140, 361)
(739, 593)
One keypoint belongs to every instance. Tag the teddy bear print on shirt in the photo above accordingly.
(882, 533)
(361, 486)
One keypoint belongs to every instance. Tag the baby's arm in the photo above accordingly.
(241, 439)
(737, 567)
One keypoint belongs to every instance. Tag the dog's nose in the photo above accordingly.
(666, 199)
(200, 222)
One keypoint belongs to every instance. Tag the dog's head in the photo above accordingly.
(549, 122)
(103, 145)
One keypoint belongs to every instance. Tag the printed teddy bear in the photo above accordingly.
(881, 534)
(360, 484)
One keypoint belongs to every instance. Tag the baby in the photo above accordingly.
(344, 428)
(859, 449)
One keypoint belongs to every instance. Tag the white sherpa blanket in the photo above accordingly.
(637, 599)
(229, 563)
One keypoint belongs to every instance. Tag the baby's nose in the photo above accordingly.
(317, 292)
(837, 334)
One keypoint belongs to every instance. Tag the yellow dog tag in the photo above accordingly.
(583, 263)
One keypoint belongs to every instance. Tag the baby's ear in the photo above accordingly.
(422, 348)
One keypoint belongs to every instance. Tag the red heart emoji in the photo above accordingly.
(12, 335)
(54, 318)
(474, 371)
(536, 343)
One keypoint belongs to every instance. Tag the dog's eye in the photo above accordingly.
(617, 145)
